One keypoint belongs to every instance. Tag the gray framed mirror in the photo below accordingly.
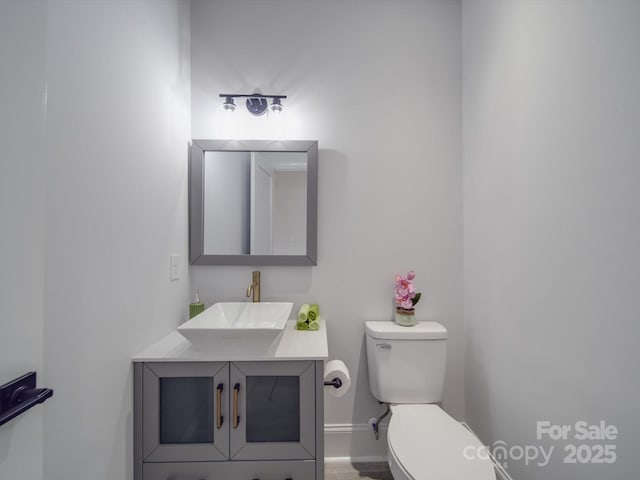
(253, 202)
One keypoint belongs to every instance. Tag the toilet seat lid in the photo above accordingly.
(427, 443)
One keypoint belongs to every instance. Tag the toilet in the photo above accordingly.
(406, 370)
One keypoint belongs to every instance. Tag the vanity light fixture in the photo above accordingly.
(256, 102)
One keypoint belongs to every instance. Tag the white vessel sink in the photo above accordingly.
(237, 326)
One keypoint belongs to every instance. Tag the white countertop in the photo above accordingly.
(294, 345)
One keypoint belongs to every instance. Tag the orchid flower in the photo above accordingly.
(405, 294)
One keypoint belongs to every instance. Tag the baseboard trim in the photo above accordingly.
(354, 443)
(332, 460)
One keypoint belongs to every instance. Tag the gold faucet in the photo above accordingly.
(254, 288)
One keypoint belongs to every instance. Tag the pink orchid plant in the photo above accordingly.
(405, 293)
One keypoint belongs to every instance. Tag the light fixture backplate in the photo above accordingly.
(257, 105)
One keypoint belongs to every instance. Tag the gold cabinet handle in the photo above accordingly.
(236, 418)
(219, 417)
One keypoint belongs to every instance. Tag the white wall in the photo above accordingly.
(22, 114)
(378, 85)
(116, 190)
(552, 224)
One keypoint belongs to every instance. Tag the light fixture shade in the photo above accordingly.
(229, 105)
(276, 106)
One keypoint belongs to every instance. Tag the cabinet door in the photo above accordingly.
(185, 407)
(272, 410)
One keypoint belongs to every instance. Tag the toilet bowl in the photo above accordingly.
(406, 370)
(425, 443)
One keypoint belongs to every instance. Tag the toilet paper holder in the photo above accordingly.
(335, 383)
(336, 375)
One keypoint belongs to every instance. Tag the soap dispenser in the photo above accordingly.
(196, 307)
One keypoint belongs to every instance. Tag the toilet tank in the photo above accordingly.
(406, 364)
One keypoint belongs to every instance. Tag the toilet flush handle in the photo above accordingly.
(384, 346)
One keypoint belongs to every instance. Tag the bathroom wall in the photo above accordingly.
(22, 88)
(552, 227)
(118, 127)
(378, 85)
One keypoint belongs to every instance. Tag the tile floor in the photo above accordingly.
(357, 471)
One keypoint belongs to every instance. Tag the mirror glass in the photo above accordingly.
(253, 202)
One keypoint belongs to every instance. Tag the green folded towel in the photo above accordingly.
(308, 317)
(314, 312)
(303, 313)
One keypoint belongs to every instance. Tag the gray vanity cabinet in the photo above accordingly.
(222, 420)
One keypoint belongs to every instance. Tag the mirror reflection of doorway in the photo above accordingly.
(261, 207)
(278, 203)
